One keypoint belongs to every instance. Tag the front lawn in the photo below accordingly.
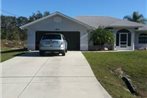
(8, 53)
(133, 64)
(5, 49)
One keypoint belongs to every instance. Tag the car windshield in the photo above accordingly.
(51, 36)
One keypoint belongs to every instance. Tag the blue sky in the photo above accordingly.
(114, 8)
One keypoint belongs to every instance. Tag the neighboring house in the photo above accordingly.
(128, 35)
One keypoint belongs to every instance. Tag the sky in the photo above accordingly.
(114, 8)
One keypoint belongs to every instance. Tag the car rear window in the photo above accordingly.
(51, 36)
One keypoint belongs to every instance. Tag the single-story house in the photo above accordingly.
(128, 35)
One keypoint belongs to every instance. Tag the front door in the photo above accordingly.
(123, 37)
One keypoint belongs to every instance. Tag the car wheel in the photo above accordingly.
(63, 53)
(41, 53)
(66, 51)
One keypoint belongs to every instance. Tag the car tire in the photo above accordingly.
(66, 51)
(63, 53)
(41, 53)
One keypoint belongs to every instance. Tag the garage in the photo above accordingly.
(75, 31)
(72, 38)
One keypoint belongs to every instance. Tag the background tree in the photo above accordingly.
(10, 25)
(35, 16)
(136, 17)
(101, 37)
(38, 15)
(10, 30)
(22, 20)
(46, 13)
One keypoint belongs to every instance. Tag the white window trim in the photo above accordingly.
(120, 39)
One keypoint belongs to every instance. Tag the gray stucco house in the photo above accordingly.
(128, 35)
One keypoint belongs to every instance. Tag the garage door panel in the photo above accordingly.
(73, 39)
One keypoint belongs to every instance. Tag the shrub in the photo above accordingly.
(101, 37)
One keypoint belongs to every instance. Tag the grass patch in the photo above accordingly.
(132, 63)
(5, 48)
(9, 53)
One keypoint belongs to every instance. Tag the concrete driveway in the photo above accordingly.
(32, 76)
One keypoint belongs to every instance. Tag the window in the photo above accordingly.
(143, 38)
(51, 36)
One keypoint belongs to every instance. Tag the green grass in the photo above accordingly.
(5, 48)
(10, 54)
(132, 63)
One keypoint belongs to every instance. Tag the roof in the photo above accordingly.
(93, 21)
(144, 28)
(96, 21)
(107, 21)
(125, 23)
(51, 15)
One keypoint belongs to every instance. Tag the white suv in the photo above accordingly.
(53, 43)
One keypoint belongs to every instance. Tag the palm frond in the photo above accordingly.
(136, 17)
(128, 18)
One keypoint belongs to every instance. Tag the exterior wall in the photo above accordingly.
(132, 39)
(31, 39)
(57, 24)
(137, 44)
(115, 30)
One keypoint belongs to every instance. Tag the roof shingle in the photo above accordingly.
(106, 21)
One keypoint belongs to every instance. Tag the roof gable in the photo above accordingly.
(54, 14)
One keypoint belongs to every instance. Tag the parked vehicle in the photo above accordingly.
(53, 43)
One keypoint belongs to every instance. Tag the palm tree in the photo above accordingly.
(136, 17)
